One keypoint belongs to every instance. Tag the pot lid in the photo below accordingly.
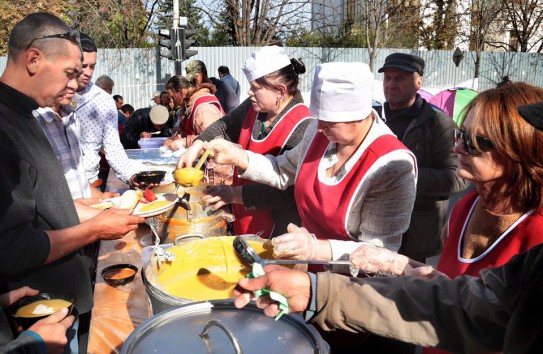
(226, 330)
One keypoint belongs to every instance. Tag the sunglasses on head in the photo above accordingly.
(484, 144)
(72, 36)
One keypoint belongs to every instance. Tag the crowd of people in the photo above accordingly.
(331, 180)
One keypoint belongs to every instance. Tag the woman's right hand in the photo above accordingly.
(190, 155)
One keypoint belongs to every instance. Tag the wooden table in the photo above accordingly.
(118, 311)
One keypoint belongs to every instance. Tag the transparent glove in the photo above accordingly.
(227, 153)
(375, 260)
(190, 155)
(298, 243)
(175, 144)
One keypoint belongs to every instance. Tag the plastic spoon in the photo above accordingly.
(203, 159)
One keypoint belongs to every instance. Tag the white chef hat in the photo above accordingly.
(265, 61)
(342, 92)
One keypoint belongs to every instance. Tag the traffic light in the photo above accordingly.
(167, 41)
(186, 43)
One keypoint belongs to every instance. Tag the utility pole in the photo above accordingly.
(177, 42)
(175, 29)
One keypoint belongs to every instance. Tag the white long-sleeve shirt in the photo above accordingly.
(97, 115)
(382, 206)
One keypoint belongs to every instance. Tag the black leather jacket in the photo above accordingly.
(141, 122)
(429, 135)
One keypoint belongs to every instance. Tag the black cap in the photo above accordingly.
(533, 114)
(407, 62)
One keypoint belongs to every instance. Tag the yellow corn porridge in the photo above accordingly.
(205, 269)
(51, 306)
(154, 205)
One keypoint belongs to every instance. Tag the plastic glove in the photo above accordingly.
(375, 260)
(219, 195)
(227, 153)
(191, 154)
(297, 244)
(175, 144)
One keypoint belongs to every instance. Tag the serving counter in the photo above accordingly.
(118, 311)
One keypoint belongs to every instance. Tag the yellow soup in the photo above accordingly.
(47, 307)
(154, 205)
(205, 269)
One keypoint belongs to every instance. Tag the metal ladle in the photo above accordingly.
(249, 256)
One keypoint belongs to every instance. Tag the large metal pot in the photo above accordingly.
(189, 216)
(202, 255)
(218, 327)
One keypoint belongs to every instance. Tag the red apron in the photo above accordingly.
(526, 234)
(523, 236)
(204, 99)
(324, 208)
(254, 221)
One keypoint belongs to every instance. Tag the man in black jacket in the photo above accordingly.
(428, 133)
(146, 123)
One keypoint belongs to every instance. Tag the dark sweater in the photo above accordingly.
(24, 344)
(225, 94)
(35, 197)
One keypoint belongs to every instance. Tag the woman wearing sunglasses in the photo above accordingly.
(503, 156)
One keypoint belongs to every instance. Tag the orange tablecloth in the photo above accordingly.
(118, 311)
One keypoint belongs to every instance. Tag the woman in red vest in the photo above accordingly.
(201, 108)
(270, 121)
(353, 179)
(502, 155)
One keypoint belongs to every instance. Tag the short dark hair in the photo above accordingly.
(126, 108)
(117, 97)
(36, 25)
(223, 70)
(87, 43)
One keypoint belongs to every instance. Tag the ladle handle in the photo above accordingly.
(296, 261)
(203, 159)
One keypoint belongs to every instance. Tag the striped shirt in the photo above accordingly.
(63, 135)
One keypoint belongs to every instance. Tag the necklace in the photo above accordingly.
(262, 133)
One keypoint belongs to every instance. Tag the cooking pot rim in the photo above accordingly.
(205, 307)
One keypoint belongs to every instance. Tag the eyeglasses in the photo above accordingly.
(72, 36)
(483, 144)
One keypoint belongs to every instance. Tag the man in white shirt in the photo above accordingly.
(97, 117)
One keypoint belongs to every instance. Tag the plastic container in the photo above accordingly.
(151, 143)
(119, 274)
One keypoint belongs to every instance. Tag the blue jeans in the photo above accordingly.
(71, 334)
